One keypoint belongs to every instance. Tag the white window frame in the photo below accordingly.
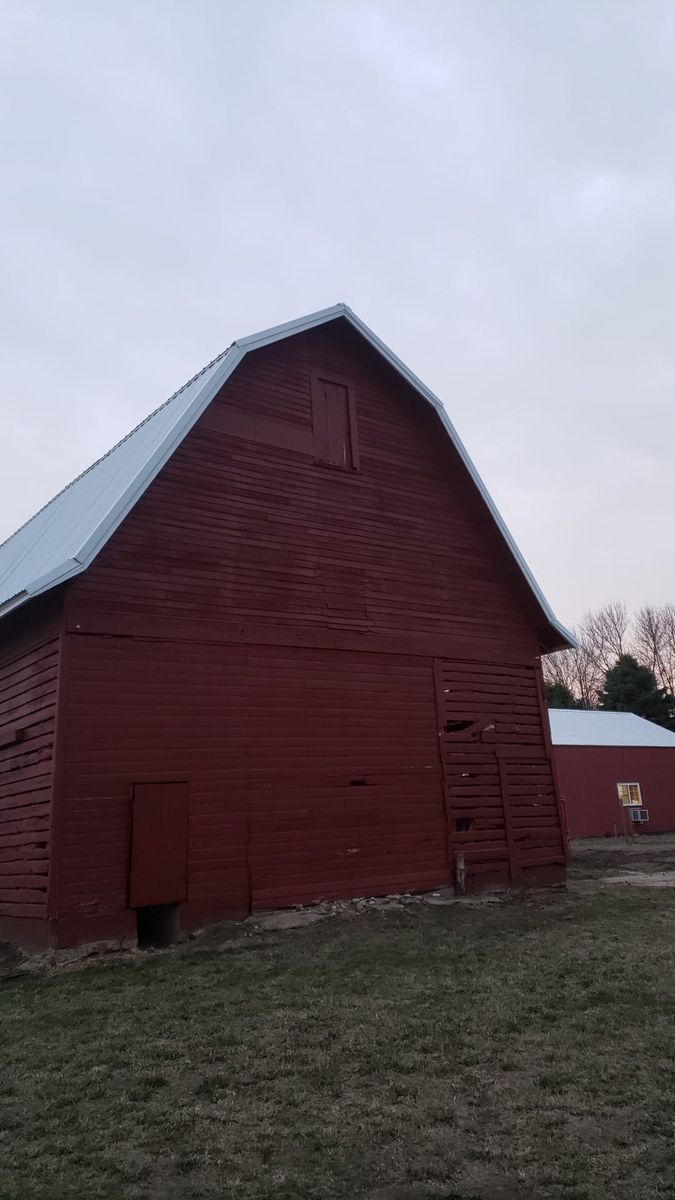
(627, 793)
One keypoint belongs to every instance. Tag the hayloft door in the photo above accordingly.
(159, 829)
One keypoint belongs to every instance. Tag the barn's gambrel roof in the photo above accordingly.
(65, 536)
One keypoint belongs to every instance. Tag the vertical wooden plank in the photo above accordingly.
(56, 823)
(337, 421)
(438, 692)
(548, 744)
(514, 865)
(353, 428)
(319, 419)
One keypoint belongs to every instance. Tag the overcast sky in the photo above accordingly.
(490, 184)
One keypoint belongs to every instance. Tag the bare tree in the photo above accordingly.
(605, 633)
(648, 624)
(577, 670)
(561, 668)
(654, 639)
(667, 666)
(602, 637)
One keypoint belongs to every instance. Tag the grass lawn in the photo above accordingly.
(518, 1050)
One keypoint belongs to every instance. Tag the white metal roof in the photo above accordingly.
(586, 727)
(64, 537)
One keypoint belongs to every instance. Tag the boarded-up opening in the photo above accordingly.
(334, 422)
(158, 844)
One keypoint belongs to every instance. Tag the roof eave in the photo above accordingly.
(45, 583)
(557, 638)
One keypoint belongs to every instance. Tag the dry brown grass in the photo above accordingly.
(518, 1051)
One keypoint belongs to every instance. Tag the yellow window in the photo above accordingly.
(629, 794)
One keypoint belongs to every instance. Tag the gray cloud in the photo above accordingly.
(489, 185)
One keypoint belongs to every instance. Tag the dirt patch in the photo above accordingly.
(11, 960)
(593, 858)
(293, 919)
(657, 879)
(407, 902)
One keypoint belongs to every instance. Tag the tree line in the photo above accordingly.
(623, 663)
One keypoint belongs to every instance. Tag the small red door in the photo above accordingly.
(158, 844)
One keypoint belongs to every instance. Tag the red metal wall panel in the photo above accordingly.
(588, 776)
(29, 664)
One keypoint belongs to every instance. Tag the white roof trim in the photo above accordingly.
(161, 456)
(78, 561)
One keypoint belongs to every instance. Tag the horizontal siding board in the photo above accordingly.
(31, 853)
(408, 528)
(14, 866)
(29, 658)
(270, 743)
(14, 909)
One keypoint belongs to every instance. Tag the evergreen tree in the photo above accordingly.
(559, 696)
(629, 687)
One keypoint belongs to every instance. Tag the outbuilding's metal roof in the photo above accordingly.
(586, 727)
(64, 537)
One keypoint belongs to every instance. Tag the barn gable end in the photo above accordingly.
(259, 642)
(245, 525)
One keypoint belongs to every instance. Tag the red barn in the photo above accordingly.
(277, 645)
(616, 772)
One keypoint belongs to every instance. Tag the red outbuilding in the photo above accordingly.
(277, 645)
(616, 773)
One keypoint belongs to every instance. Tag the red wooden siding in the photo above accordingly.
(29, 663)
(500, 794)
(265, 629)
(588, 776)
(312, 773)
(345, 784)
